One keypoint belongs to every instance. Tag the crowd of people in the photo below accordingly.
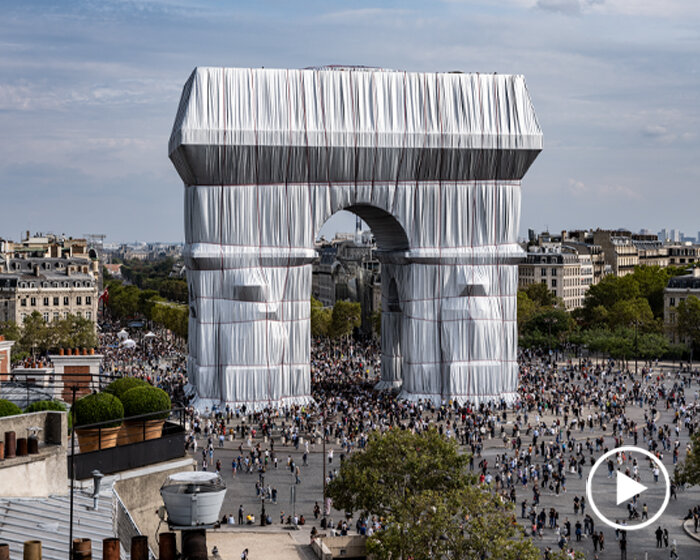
(568, 413)
(158, 356)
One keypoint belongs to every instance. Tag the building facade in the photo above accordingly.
(53, 287)
(619, 251)
(651, 251)
(682, 254)
(559, 270)
(677, 290)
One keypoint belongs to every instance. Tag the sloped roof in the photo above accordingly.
(47, 520)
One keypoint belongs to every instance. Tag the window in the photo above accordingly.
(55, 300)
(672, 302)
(46, 317)
(24, 316)
(544, 282)
(554, 282)
(46, 301)
(554, 272)
(78, 300)
(78, 314)
(23, 302)
(65, 300)
(88, 314)
(543, 272)
(88, 300)
(32, 302)
(56, 315)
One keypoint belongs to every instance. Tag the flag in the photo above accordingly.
(104, 297)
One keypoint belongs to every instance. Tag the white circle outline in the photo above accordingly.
(649, 521)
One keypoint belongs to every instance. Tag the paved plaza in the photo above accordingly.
(641, 544)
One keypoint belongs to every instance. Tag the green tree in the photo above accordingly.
(36, 335)
(346, 316)
(548, 328)
(320, 317)
(74, 332)
(688, 323)
(652, 345)
(688, 472)
(11, 331)
(123, 300)
(432, 506)
(526, 309)
(652, 281)
(630, 312)
(174, 289)
(540, 295)
(610, 290)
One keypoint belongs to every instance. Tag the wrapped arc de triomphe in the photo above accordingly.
(432, 162)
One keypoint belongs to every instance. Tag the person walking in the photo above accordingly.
(623, 548)
(659, 535)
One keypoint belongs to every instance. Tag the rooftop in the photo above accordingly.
(47, 520)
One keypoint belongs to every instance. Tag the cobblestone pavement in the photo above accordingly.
(641, 544)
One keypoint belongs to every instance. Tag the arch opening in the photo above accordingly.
(388, 233)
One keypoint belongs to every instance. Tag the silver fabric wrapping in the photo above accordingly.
(432, 162)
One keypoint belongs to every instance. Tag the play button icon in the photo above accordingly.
(637, 484)
(627, 488)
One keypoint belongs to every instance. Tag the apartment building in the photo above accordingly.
(620, 252)
(54, 287)
(650, 250)
(558, 268)
(676, 291)
(682, 254)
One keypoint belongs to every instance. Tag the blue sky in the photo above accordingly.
(89, 90)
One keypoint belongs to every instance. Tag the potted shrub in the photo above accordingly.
(120, 386)
(117, 388)
(8, 408)
(93, 409)
(40, 406)
(144, 400)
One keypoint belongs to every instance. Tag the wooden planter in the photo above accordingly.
(133, 431)
(90, 439)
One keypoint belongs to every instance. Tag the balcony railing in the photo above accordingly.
(110, 452)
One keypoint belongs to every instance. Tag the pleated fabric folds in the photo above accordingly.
(432, 162)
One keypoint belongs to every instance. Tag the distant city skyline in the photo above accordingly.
(89, 91)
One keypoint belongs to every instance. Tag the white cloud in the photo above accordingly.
(567, 7)
(619, 191)
(361, 14)
(645, 8)
(577, 188)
